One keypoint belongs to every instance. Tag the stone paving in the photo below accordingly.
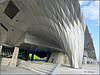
(29, 68)
(14, 70)
(86, 69)
(65, 69)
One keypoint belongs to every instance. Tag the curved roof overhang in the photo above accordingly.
(88, 45)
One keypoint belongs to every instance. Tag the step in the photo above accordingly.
(51, 64)
(47, 65)
(41, 70)
(38, 72)
(46, 68)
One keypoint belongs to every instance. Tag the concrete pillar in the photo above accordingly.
(0, 49)
(66, 60)
(85, 60)
(27, 56)
(0, 54)
(32, 57)
(57, 57)
(13, 62)
(32, 52)
(10, 52)
(5, 52)
(48, 55)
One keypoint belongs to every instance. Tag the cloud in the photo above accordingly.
(96, 3)
(83, 2)
(91, 12)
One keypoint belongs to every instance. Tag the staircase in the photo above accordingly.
(39, 68)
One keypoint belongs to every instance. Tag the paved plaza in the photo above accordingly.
(64, 69)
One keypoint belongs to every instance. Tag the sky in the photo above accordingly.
(90, 10)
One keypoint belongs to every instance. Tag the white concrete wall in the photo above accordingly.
(59, 57)
(66, 60)
(54, 56)
(5, 61)
(13, 62)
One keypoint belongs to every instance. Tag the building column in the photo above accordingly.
(27, 56)
(0, 49)
(85, 60)
(32, 56)
(48, 55)
(0, 54)
(57, 57)
(66, 60)
(5, 53)
(10, 52)
(13, 62)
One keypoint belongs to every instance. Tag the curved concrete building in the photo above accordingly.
(57, 25)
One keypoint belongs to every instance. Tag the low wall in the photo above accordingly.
(6, 61)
